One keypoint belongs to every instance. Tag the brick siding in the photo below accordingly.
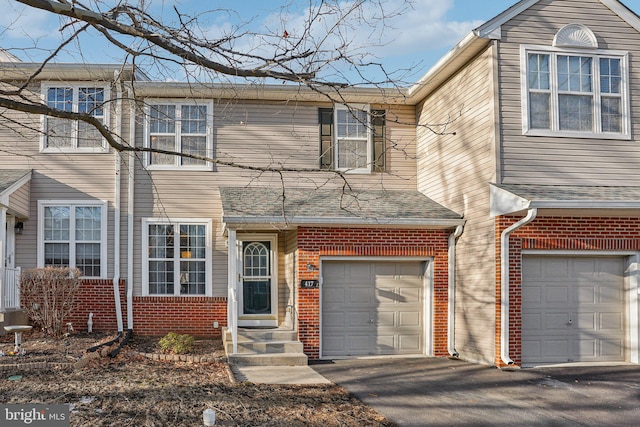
(554, 233)
(316, 242)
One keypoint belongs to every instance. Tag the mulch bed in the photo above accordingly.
(135, 390)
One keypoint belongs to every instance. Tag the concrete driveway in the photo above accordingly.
(444, 392)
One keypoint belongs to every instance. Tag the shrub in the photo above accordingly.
(48, 296)
(175, 343)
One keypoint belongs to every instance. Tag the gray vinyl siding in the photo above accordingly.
(19, 202)
(455, 170)
(552, 160)
(258, 134)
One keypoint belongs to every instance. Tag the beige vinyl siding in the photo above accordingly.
(56, 176)
(552, 160)
(258, 134)
(19, 202)
(455, 170)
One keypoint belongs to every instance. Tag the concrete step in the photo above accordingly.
(267, 335)
(277, 359)
(256, 347)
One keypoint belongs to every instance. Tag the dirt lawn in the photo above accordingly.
(131, 389)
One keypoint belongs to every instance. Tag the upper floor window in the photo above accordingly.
(73, 135)
(74, 235)
(180, 128)
(352, 139)
(575, 93)
(177, 257)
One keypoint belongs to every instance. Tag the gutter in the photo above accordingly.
(504, 284)
(116, 210)
(451, 321)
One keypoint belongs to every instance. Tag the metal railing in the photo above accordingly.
(10, 289)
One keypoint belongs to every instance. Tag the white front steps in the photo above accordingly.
(265, 347)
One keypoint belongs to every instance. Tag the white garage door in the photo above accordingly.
(572, 310)
(372, 308)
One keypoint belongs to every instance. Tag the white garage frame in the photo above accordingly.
(632, 290)
(428, 294)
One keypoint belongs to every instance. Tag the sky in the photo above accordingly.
(415, 40)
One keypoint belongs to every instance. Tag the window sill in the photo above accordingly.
(579, 135)
(74, 151)
(180, 168)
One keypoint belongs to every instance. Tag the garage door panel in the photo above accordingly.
(334, 319)
(410, 343)
(386, 295)
(556, 295)
(411, 295)
(582, 315)
(391, 294)
(410, 319)
(611, 321)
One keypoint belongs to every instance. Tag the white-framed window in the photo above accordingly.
(181, 127)
(72, 135)
(352, 139)
(177, 256)
(581, 93)
(73, 234)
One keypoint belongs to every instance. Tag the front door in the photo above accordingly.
(258, 292)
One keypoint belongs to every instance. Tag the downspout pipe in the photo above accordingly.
(504, 284)
(451, 321)
(116, 210)
(130, 207)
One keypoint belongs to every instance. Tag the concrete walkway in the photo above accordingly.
(443, 392)
(302, 375)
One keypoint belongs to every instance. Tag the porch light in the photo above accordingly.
(18, 227)
(311, 267)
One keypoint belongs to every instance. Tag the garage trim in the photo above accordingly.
(428, 293)
(632, 290)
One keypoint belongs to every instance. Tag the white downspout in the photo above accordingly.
(130, 209)
(451, 322)
(504, 284)
(116, 211)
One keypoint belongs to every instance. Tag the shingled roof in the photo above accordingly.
(259, 205)
(9, 177)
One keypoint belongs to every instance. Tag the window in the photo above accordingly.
(73, 235)
(177, 257)
(352, 139)
(71, 135)
(182, 128)
(578, 93)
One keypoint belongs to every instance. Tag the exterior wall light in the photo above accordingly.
(19, 227)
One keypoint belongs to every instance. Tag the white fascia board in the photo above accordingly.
(492, 28)
(336, 221)
(4, 196)
(584, 204)
(623, 12)
(503, 202)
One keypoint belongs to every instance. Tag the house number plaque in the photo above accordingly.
(309, 284)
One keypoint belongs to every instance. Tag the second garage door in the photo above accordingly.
(372, 308)
(572, 310)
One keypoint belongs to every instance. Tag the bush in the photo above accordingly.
(48, 296)
(175, 343)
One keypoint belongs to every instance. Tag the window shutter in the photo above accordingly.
(378, 126)
(325, 118)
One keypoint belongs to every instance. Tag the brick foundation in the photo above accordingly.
(315, 242)
(554, 233)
